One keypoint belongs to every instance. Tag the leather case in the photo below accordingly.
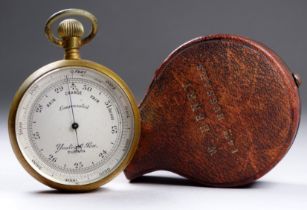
(221, 110)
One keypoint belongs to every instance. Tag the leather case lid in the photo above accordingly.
(221, 110)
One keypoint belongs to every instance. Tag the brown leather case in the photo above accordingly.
(221, 110)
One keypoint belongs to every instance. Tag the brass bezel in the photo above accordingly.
(34, 77)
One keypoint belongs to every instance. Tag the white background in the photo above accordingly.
(135, 37)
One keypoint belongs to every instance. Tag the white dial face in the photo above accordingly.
(74, 125)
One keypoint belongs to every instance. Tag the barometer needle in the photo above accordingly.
(74, 125)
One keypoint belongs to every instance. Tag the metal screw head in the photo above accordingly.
(297, 79)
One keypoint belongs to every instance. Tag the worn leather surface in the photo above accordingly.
(221, 110)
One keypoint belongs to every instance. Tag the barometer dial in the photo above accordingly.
(74, 125)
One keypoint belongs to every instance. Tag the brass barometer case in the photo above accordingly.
(73, 124)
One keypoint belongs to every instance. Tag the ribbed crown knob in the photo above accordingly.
(70, 28)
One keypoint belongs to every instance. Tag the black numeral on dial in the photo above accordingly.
(114, 129)
(52, 158)
(87, 88)
(36, 135)
(59, 89)
(78, 165)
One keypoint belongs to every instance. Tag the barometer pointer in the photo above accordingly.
(74, 124)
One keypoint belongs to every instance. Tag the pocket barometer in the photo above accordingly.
(73, 124)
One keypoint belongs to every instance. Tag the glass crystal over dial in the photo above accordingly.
(74, 125)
